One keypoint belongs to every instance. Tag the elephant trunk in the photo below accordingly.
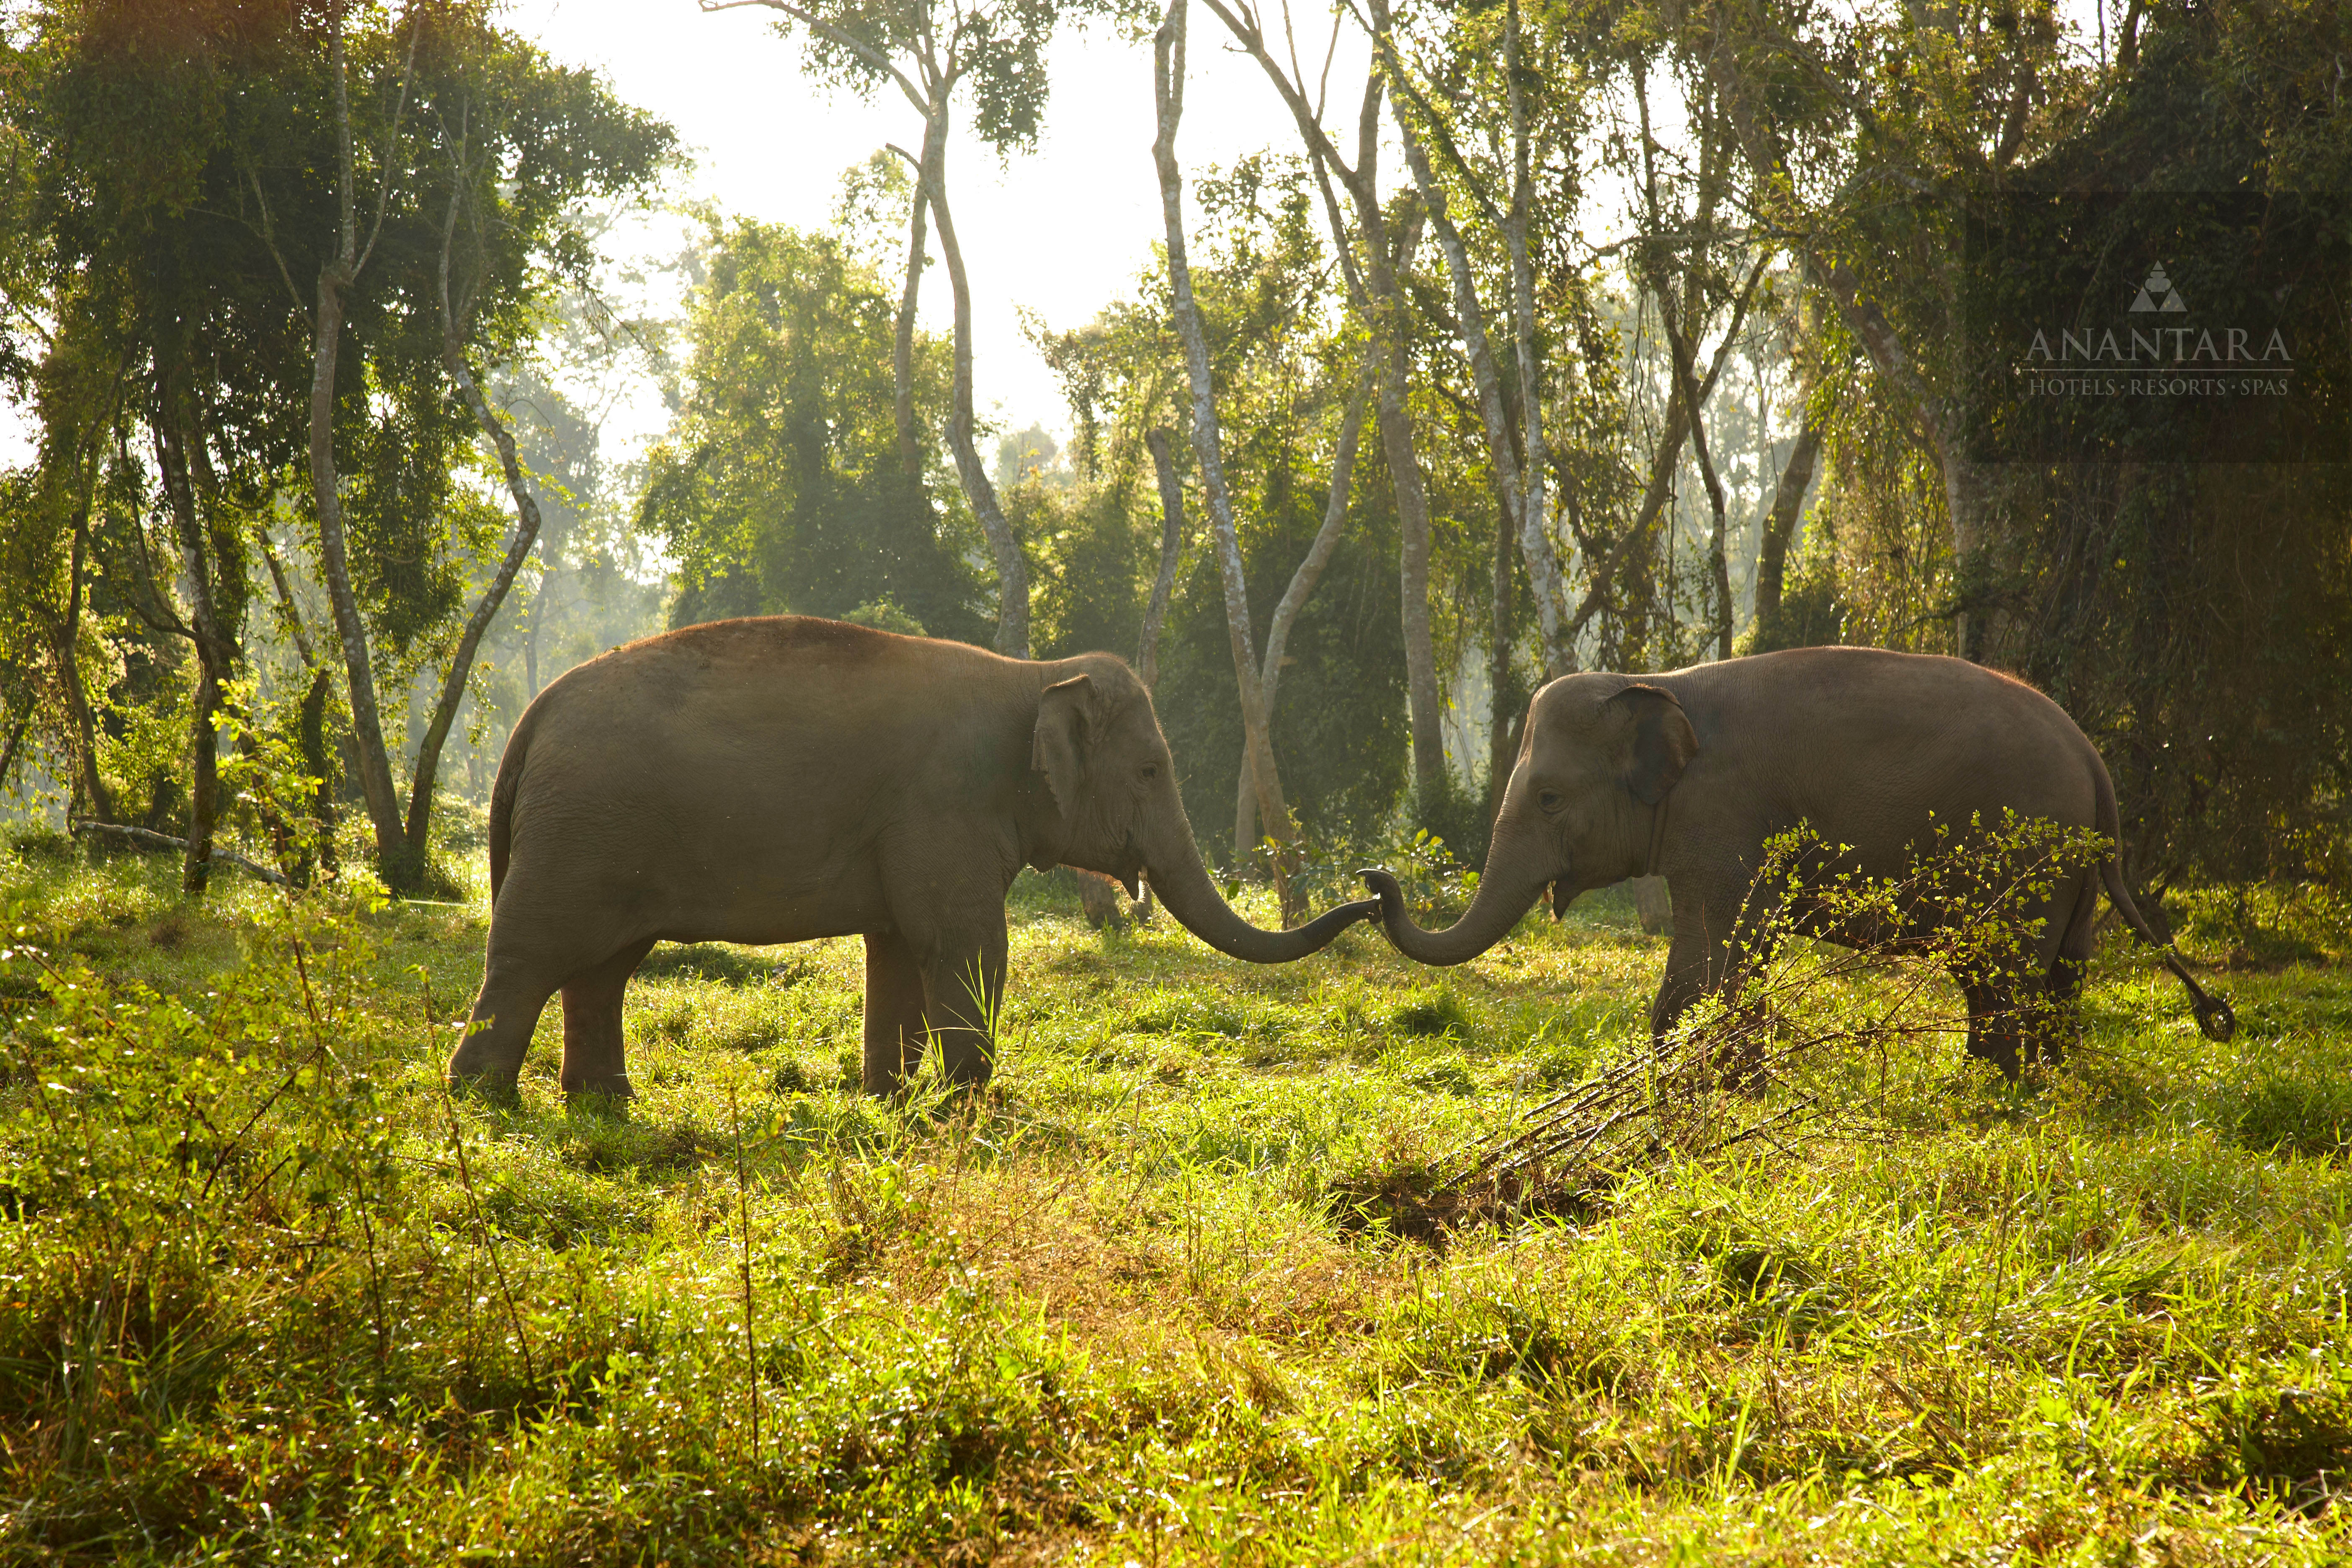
(1503, 897)
(1182, 883)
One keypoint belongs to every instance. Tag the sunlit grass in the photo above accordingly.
(265, 1291)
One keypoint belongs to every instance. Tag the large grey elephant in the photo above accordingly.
(778, 779)
(1687, 774)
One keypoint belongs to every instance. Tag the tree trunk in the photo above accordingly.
(1391, 331)
(367, 725)
(15, 739)
(66, 638)
(902, 346)
(312, 724)
(527, 525)
(1302, 585)
(1378, 297)
(1521, 488)
(1502, 737)
(1169, 96)
(216, 644)
(1171, 545)
(1544, 576)
(1011, 570)
(337, 274)
(1780, 525)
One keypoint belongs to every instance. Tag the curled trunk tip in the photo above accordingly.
(1492, 914)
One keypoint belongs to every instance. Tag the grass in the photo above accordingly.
(265, 1294)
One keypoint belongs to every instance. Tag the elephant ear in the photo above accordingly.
(1067, 716)
(1663, 741)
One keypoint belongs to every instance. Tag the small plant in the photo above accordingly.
(1811, 1039)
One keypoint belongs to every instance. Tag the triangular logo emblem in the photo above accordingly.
(2158, 293)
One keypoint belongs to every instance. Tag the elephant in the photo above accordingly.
(1687, 774)
(1099, 897)
(777, 779)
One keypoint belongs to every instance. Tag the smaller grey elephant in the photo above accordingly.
(1686, 776)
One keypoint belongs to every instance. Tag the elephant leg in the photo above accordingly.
(963, 984)
(2058, 1020)
(894, 1012)
(515, 989)
(1996, 1027)
(544, 935)
(594, 1055)
(1708, 960)
(2059, 1015)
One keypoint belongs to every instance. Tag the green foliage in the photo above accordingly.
(1267, 290)
(264, 1290)
(780, 490)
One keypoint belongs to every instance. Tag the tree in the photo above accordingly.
(927, 52)
(163, 332)
(510, 144)
(1520, 458)
(1168, 94)
(778, 487)
(1369, 257)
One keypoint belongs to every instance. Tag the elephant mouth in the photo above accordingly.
(1131, 867)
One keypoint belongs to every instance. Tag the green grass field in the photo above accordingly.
(268, 1295)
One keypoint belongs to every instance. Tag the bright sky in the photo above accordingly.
(1060, 231)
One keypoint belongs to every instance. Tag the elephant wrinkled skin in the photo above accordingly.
(781, 779)
(1687, 774)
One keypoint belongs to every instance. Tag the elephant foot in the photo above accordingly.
(609, 1095)
(500, 1092)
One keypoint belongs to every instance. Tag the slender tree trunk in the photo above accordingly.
(1521, 488)
(1302, 585)
(1011, 570)
(1169, 96)
(1781, 524)
(367, 724)
(336, 275)
(1377, 295)
(1172, 546)
(1544, 576)
(311, 721)
(65, 640)
(526, 534)
(1502, 737)
(1718, 558)
(216, 645)
(902, 346)
(15, 739)
(1392, 331)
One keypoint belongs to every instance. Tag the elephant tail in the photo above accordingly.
(2215, 1018)
(502, 798)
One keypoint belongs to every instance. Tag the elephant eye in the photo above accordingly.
(1549, 799)
(1151, 770)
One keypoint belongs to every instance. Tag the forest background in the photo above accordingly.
(1562, 336)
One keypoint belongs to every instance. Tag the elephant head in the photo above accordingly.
(1600, 755)
(1115, 808)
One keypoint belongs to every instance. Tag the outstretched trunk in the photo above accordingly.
(1180, 879)
(1505, 891)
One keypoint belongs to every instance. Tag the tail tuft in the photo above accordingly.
(2216, 1020)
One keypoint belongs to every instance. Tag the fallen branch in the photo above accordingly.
(146, 839)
